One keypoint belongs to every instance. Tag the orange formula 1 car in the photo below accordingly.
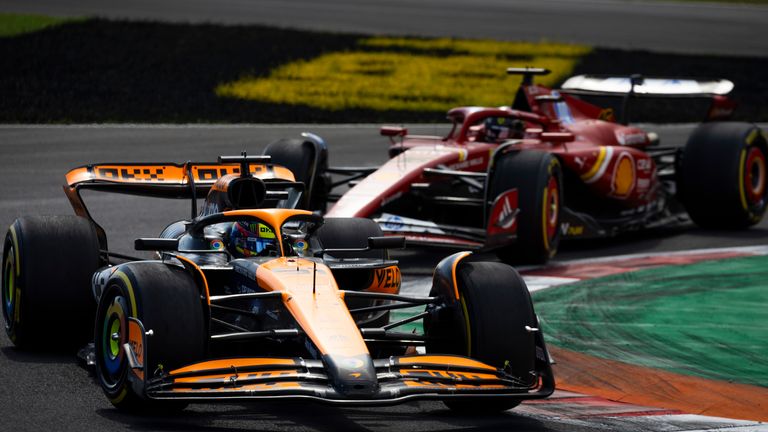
(251, 299)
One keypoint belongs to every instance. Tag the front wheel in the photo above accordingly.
(493, 325)
(167, 302)
(537, 178)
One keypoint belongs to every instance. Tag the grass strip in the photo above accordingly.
(18, 24)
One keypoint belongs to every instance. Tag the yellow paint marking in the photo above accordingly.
(433, 75)
(596, 167)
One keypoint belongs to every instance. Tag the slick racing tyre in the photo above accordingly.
(722, 175)
(308, 161)
(48, 263)
(166, 301)
(348, 233)
(537, 176)
(493, 324)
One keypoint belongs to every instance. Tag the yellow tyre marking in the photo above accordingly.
(17, 282)
(742, 194)
(752, 136)
(16, 250)
(127, 281)
(544, 217)
(119, 398)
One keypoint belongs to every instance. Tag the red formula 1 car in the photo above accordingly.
(519, 179)
(250, 299)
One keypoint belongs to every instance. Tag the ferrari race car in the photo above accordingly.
(251, 299)
(519, 179)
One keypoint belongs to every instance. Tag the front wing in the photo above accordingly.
(400, 379)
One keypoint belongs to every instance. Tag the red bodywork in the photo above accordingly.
(608, 157)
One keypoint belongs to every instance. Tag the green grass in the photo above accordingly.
(708, 319)
(407, 74)
(15, 24)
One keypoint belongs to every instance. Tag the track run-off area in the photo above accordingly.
(667, 311)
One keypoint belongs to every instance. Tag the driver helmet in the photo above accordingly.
(499, 129)
(248, 239)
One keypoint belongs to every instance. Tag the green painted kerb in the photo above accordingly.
(708, 319)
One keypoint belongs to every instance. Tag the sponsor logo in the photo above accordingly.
(387, 278)
(392, 223)
(507, 216)
(624, 179)
(571, 230)
(606, 115)
(353, 363)
(131, 174)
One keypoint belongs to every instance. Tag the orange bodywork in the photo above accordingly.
(320, 311)
(309, 292)
(235, 363)
(443, 361)
(171, 174)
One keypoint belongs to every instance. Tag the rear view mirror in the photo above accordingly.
(156, 244)
(393, 131)
(386, 242)
(557, 137)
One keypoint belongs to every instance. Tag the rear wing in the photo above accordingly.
(671, 87)
(627, 87)
(189, 180)
(166, 180)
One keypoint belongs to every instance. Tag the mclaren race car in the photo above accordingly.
(518, 179)
(251, 299)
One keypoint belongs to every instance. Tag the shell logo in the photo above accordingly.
(623, 176)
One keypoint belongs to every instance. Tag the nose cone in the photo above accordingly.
(354, 377)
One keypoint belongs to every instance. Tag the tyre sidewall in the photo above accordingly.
(530, 173)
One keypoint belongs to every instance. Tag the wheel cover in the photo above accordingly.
(113, 336)
(9, 287)
(755, 176)
(551, 211)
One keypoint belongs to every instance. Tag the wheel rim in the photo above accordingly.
(755, 175)
(551, 210)
(113, 336)
(9, 287)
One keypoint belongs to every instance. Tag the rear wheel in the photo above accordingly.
(167, 302)
(308, 162)
(48, 263)
(722, 175)
(495, 316)
(537, 176)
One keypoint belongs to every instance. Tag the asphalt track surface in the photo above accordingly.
(51, 392)
(685, 27)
